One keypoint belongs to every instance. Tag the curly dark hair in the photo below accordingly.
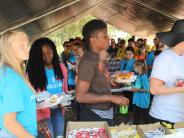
(35, 65)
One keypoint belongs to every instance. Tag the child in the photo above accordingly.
(127, 63)
(121, 49)
(141, 53)
(141, 96)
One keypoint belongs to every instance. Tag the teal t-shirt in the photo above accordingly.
(149, 61)
(142, 99)
(54, 85)
(127, 65)
(16, 96)
(71, 72)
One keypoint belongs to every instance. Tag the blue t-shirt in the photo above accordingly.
(127, 65)
(149, 61)
(16, 96)
(54, 85)
(71, 72)
(142, 99)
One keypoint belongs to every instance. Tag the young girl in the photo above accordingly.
(142, 53)
(46, 73)
(141, 96)
(127, 63)
(121, 49)
(17, 97)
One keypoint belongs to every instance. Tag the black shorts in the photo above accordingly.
(155, 120)
(140, 115)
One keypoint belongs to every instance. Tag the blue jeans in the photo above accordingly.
(57, 119)
(55, 123)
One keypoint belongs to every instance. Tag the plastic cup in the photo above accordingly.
(123, 109)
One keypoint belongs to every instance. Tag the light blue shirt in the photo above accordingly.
(71, 72)
(54, 85)
(16, 96)
(142, 99)
(149, 61)
(127, 65)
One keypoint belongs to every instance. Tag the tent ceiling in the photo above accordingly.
(138, 17)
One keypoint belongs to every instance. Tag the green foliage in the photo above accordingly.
(74, 29)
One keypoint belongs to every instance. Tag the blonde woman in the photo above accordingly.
(17, 99)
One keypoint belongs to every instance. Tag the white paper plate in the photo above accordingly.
(64, 100)
(46, 103)
(121, 89)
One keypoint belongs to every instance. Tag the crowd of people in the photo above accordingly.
(82, 67)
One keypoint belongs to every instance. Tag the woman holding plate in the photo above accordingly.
(47, 74)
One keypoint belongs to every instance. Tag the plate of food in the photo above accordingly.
(124, 77)
(51, 101)
(54, 100)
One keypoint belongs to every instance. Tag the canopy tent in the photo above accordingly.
(42, 17)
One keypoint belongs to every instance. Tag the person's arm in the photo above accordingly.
(162, 70)
(11, 124)
(83, 96)
(158, 87)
